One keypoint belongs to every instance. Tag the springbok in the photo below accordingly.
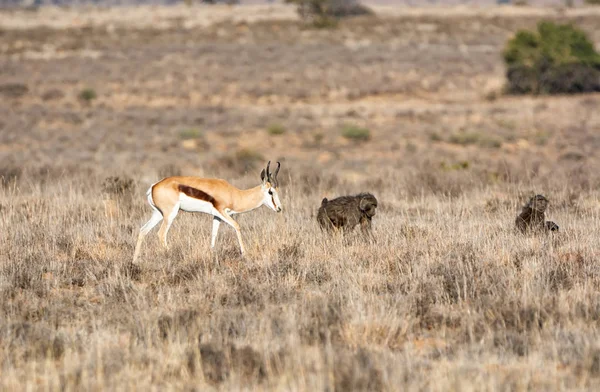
(209, 195)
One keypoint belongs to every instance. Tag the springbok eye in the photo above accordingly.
(270, 192)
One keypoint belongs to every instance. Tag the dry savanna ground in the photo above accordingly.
(408, 106)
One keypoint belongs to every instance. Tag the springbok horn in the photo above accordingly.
(277, 170)
(275, 175)
(268, 171)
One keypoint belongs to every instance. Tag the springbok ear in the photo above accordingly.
(263, 176)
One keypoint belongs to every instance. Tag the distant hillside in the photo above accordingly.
(33, 3)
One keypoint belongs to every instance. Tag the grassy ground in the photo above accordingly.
(410, 108)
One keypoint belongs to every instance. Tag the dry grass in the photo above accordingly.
(449, 292)
(448, 297)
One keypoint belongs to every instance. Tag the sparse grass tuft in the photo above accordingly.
(462, 165)
(88, 95)
(464, 138)
(356, 133)
(190, 133)
(435, 137)
(276, 129)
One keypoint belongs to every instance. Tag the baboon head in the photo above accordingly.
(368, 204)
(538, 203)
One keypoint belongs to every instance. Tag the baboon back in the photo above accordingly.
(347, 211)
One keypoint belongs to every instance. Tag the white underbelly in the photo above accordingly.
(190, 204)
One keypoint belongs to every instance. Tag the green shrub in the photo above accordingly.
(554, 59)
(88, 94)
(276, 129)
(190, 133)
(464, 138)
(462, 165)
(324, 13)
(356, 133)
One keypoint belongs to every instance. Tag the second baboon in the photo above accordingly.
(346, 212)
(533, 215)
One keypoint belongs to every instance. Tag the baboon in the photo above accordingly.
(532, 217)
(345, 212)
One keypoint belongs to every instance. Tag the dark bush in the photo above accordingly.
(570, 78)
(556, 59)
(13, 90)
(88, 95)
(324, 13)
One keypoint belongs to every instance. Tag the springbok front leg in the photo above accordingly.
(229, 220)
(215, 231)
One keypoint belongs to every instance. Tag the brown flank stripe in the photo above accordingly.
(196, 193)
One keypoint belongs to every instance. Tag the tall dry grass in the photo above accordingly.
(448, 297)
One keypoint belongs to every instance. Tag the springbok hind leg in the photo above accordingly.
(156, 217)
(166, 225)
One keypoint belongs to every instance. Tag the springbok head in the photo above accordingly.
(270, 185)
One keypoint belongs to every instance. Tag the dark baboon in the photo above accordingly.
(532, 216)
(346, 212)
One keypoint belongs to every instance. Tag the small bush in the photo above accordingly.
(276, 129)
(592, 2)
(462, 165)
(464, 138)
(356, 133)
(190, 133)
(555, 59)
(88, 94)
(13, 90)
(53, 95)
(435, 137)
(325, 13)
